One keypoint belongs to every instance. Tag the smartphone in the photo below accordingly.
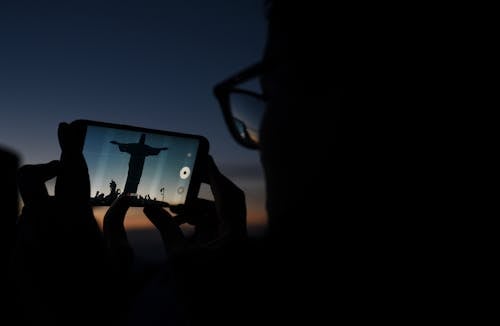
(151, 166)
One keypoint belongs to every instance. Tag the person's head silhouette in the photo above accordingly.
(287, 122)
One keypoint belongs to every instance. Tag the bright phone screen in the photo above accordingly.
(152, 167)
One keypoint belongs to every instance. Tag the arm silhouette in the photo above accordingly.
(155, 150)
(59, 259)
(205, 264)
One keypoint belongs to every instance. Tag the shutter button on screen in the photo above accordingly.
(185, 172)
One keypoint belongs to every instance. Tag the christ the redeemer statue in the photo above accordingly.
(138, 152)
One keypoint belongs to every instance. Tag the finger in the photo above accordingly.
(157, 215)
(195, 206)
(229, 199)
(72, 184)
(178, 209)
(171, 233)
(200, 212)
(117, 211)
(71, 137)
(32, 178)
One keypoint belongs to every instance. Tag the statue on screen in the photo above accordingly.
(138, 153)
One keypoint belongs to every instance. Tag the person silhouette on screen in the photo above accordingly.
(113, 193)
(138, 153)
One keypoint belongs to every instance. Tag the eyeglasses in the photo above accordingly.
(242, 109)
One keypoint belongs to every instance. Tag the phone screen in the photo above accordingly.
(150, 166)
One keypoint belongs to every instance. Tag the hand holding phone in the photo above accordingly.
(153, 166)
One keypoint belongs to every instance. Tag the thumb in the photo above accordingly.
(71, 137)
(32, 178)
(170, 231)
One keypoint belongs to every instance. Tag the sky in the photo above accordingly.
(146, 63)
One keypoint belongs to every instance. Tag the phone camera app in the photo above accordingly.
(185, 172)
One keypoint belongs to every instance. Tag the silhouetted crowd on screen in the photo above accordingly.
(103, 199)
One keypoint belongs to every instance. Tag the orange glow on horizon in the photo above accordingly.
(136, 220)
